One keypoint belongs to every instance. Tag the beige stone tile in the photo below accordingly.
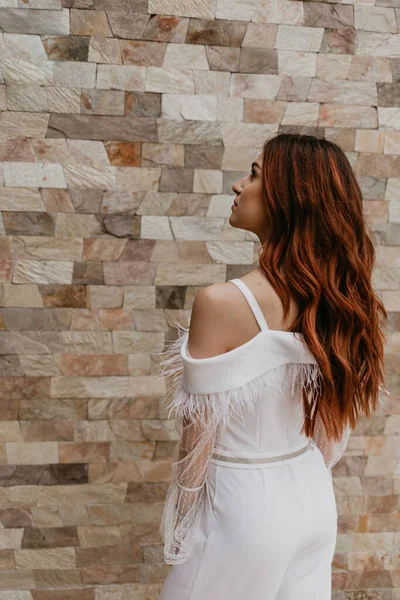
(23, 296)
(381, 465)
(175, 81)
(11, 538)
(45, 558)
(297, 64)
(10, 431)
(30, 271)
(346, 115)
(142, 53)
(377, 44)
(289, 12)
(47, 248)
(343, 92)
(154, 227)
(19, 124)
(53, 151)
(89, 22)
(85, 176)
(28, 47)
(389, 117)
(184, 8)
(101, 296)
(34, 175)
(195, 228)
(242, 135)
(48, 22)
(301, 113)
(137, 341)
(103, 102)
(291, 37)
(99, 536)
(74, 74)
(179, 56)
(392, 142)
(199, 275)
(138, 179)
(334, 66)
(207, 181)
(231, 252)
(22, 71)
(3, 98)
(39, 365)
(104, 50)
(392, 424)
(139, 297)
(212, 82)
(121, 77)
(375, 18)
(163, 154)
(34, 453)
(74, 226)
(392, 197)
(64, 100)
(230, 109)
(254, 86)
(367, 68)
(41, 4)
(260, 35)
(88, 387)
(368, 140)
(20, 199)
(197, 107)
(235, 10)
(326, 15)
(88, 152)
(238, 158)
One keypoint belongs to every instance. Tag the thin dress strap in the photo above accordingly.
(255, 307)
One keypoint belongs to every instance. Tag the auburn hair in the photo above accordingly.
(319, 250)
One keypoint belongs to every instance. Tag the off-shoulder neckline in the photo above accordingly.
(238, 349)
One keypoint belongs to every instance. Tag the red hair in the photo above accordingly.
(320, 251)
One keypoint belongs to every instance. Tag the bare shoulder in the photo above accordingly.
(211, 320)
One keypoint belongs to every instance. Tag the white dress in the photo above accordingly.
(250, 511)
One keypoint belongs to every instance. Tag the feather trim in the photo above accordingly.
(219, 407)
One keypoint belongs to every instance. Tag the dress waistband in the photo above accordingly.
(259, 460)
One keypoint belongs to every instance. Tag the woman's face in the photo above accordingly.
(250, 212)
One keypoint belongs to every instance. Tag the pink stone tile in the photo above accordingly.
(83, 452)
(93, 365)
(6, 270)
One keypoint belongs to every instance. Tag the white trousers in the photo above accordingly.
(267, 532)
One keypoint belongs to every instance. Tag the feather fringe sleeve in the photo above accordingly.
(188, 488)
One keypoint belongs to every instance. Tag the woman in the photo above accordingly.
(268, 383)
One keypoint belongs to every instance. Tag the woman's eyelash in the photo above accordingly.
(253, 173)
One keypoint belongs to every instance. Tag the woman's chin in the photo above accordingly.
(232, 219)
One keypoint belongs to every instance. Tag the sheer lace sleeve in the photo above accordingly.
(333, 450)
(196, 427)
(188, 489)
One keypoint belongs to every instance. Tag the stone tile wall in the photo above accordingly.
(123, 125)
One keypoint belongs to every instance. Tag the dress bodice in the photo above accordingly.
(274, 421)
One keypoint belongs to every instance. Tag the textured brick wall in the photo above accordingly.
(123, 126)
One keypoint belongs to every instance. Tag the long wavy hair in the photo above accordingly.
(320, 251)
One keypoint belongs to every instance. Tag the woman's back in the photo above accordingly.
(263, 367)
